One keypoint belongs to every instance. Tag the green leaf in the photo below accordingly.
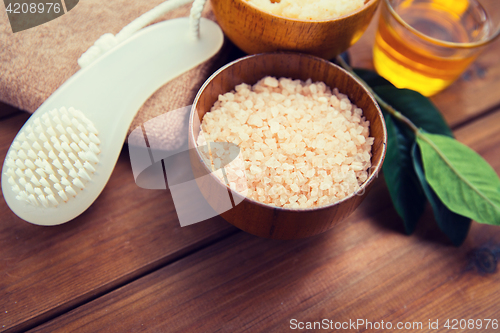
(372, 78)
(455, 226)
(346, 57)
(404, 188)
(416, 107)
(461, 178)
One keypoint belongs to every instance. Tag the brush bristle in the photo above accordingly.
(51, 161)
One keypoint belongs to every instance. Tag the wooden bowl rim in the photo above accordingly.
(330, 20)
(362, 187)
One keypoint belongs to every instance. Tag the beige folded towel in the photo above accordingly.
(35, 62)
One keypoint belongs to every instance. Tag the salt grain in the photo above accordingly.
(302, 144)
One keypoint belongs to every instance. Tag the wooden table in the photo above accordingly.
(126, 265)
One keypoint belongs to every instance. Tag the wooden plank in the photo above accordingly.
(365, 268)
(126, 233)
(463, 100)
(7, 110)
(129, 232)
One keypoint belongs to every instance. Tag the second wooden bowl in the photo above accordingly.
(262, 219)
(255, 31)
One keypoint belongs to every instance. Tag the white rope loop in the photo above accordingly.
(195, 17)
(107, 41)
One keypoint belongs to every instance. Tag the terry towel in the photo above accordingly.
(35, 62)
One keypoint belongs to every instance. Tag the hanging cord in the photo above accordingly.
(107, 41)
(195, 17)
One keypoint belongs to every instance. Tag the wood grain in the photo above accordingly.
(242, 282)
(7, 110)
(126, 233)
(255, 31)
(364, 268)
(277, 222)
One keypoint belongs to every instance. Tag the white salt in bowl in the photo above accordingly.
(265, 220)
(255, 31)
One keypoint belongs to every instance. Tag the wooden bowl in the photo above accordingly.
(255, 31)
(265, 220)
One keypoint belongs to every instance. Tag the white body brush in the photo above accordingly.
(63, 156)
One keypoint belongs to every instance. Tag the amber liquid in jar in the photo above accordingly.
(410, 61)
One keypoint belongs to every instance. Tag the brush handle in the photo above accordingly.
(110, 91)
(107, 41)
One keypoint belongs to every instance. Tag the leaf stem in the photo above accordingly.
(383, 104)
